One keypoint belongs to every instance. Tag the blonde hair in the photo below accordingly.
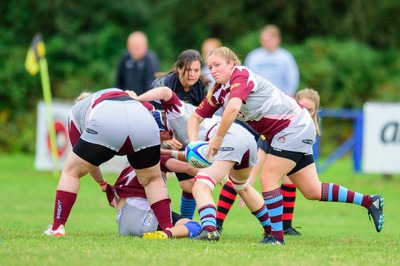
(82, 96)
(229, 56)
(226, 54)
(312, 95)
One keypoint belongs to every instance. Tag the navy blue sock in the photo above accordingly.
(188, 205)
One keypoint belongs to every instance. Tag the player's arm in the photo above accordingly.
(229, 115)
(178, 166)
(193, 126)
(159, 93)
(98, 177)
(180, 155)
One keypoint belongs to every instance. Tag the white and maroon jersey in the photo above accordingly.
(178, 113)
(265, 108)
(80, 113)
(243, 152)
(112, 119)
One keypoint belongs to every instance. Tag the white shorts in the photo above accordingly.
(112, 123)
(238, 145)
(299, 136)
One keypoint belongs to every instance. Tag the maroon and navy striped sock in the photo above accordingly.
(207, 215)
(273, 201)
(263, 217)
(336, 193)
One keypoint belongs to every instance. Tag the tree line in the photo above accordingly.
(347, 50)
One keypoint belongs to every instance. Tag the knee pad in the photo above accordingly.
(193, 228)
(206, 179)
(238, 184)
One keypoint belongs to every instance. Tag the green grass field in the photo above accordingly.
(333, 233)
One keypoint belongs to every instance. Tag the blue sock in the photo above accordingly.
(188, 205)
(263, 216)
(207, 216)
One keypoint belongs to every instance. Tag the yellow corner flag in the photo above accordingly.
(36, 61)
(35, 53)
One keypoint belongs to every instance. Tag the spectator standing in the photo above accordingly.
(137, 66)
(207, 46)
(273, 62)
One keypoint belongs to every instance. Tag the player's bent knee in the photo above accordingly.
(312, 196)
(239, 184)
(193, 228)
(206, 179)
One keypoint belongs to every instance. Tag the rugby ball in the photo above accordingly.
(195, 153)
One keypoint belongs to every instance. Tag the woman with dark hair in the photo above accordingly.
(188, 83)
(185, 78)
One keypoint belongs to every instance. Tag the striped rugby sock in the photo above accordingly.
(207, 215)
(336, 193)
(273, 200)
(289, 200)
(226, 199)
(263, 217)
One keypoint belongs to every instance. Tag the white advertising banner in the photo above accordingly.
(381, 138)
(43, 158)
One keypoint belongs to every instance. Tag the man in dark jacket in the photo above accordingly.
(137, 66)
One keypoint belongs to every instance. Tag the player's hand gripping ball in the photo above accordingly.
(195, 153)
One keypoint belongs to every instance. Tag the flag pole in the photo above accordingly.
(44, 74)
(37, 54)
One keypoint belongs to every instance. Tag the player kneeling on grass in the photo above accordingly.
(135, 216)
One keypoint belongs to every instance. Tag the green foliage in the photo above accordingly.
(333, 233)
(346, 49)
(14, 139)
(346, 73)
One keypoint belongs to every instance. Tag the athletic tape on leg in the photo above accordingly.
(206, 179)
(238, 184)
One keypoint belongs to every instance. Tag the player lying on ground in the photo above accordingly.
(135, 216)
